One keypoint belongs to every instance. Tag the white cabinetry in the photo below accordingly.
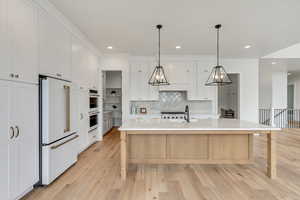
(198, 90)
(18, 37)
(78, 63)
(179, 75)
(4, 138)
(140, 90)
(83, 102)
(55, 47)
(92, 70)
(107, 122)
(19, 112)
(84, 65)
(5, 69)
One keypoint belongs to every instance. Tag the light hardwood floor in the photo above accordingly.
(97, 176)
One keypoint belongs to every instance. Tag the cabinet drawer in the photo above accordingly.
(93, 137)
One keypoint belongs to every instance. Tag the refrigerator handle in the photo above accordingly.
(68, 109)
(65, 142)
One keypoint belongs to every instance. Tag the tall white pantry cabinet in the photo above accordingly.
(18, 138)
(19, 98)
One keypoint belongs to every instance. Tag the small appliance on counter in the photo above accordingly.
(58, 128)
(143, 110)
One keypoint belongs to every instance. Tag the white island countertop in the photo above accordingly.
(194, 125)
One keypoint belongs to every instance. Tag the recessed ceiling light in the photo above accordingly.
(247, 46)
(109, 47)
(274, 63)
(178, 47)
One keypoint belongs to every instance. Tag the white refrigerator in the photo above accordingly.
(59, 138)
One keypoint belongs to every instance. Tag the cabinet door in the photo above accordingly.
(92, 70)
(192, 83)
(4, 138)
(83, 119)
(25, 117)
(55, 47)
(78, 66)
(177, 72)
(5, 69)
(205, 92)
(139, 82)
(152, 90)
(22, 27)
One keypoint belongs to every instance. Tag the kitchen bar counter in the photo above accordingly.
(195, 124)
(202, 141)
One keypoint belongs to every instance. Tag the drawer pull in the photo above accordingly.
(18, 131)
(12, 132)
(65, 142)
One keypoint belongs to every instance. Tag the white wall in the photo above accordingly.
(265, 86)
(272, 85)
(279, 90)
(295, 80)
(248, 70)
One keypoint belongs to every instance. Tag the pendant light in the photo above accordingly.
(158, 77)
(218, 75)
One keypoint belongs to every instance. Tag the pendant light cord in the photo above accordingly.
(158, 46)
(218, 48)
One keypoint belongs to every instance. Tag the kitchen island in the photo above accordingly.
(202, 141)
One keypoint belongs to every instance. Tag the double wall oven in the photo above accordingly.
(94, 97)
(94, 110)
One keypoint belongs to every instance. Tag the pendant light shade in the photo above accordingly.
(218, 75)
(158, 77)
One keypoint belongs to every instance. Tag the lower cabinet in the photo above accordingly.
(92, 137)
(18, 139)
(83, 121)
(107, 122)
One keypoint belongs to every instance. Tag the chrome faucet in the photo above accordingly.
(187, 114)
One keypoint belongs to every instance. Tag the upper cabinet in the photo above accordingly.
(19, 43)
(78, 63)
(92, 70)
(84, 65)
(5, 69)
(187, 76)
(55, 47)
(140, 90)
(179, 75)
(198, 90)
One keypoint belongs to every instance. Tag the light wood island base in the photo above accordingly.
(193, 147)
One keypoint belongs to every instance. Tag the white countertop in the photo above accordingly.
(195, 124)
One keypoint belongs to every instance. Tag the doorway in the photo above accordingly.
(229, 98)
(112, 100)
(290, 96)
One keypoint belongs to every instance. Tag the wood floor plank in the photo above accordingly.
(96, 176)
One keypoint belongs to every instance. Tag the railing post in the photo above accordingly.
(272, 117)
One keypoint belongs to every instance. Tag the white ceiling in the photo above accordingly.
(129, 25)
(291, 65)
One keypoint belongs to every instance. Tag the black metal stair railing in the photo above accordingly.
(281, 118)
(265, 116)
